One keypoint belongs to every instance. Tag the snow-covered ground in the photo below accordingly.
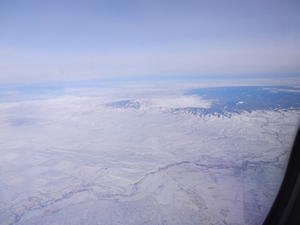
(107, 159)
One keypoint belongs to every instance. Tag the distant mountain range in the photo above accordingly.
(228, 100)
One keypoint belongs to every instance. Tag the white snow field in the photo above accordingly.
(108, 160)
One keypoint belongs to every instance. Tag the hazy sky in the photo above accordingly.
(42, 41)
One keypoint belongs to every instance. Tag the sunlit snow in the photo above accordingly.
(108, 159)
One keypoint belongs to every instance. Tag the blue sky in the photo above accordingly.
(45, 41)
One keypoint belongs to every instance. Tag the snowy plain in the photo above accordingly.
(121, 157)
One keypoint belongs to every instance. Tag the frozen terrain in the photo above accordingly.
(151, 157)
